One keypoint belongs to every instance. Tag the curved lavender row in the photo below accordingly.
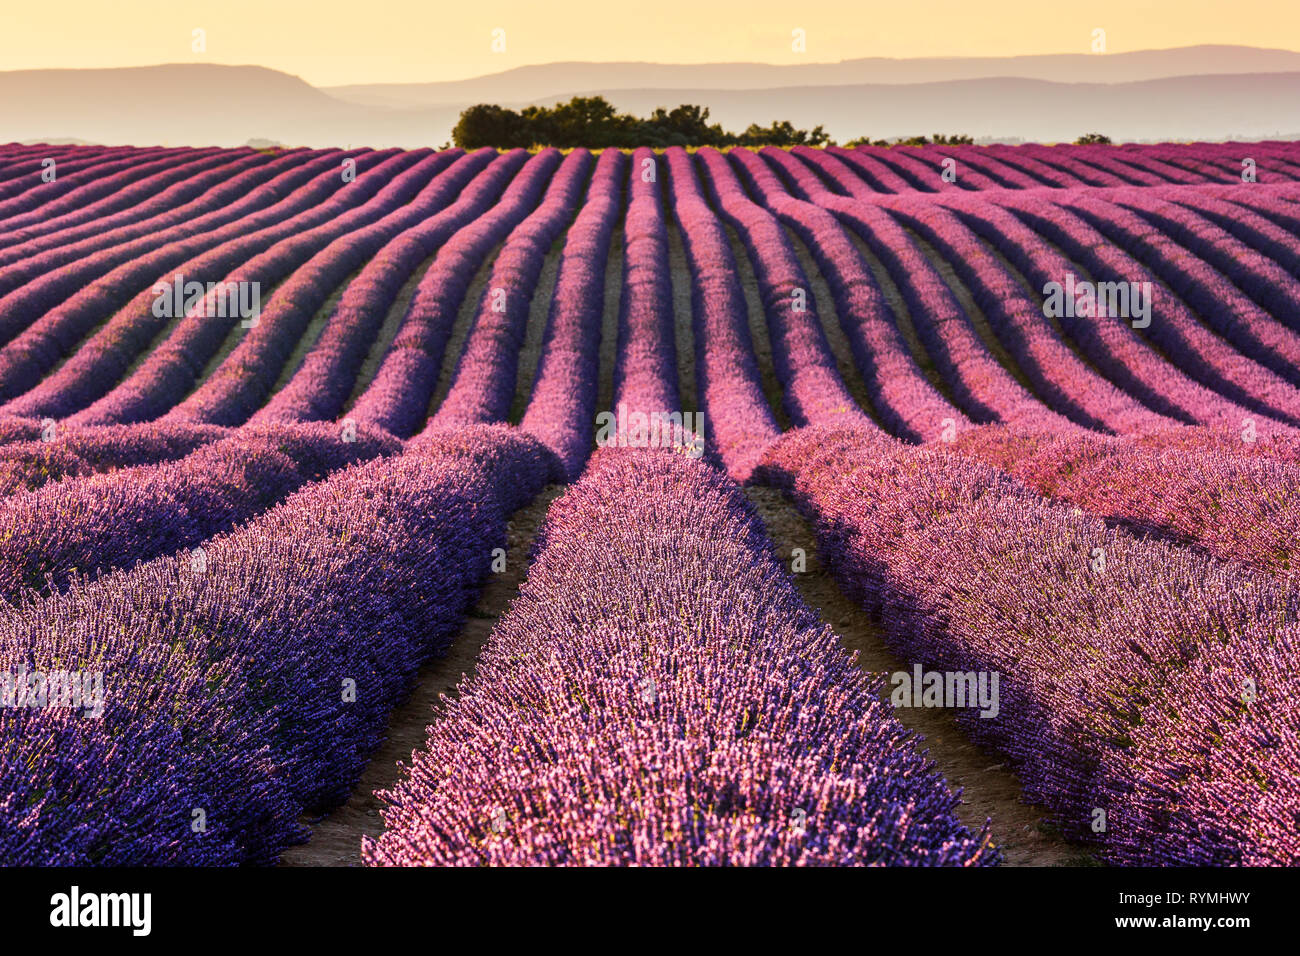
(28, 465)
(1256, 230)
(255, 690)
(398, 397)
(1114, 347)
(970, 572)
(1063, 381)
(1236, 506)
(21, 198)
(319, 388)
(810, 379)
(875, 174)
(1237, 264)
(976, 166)
(1019, 166)
(984, 390)
(1217, 300)
(483, 383)
(645, 369)
(562, 404)
(105, 521)
(1105, 158)
(87, 233)
(1182, 338)
(1059, 158)
(173, 367)
(113, 194)
(261, 252)
(902, 397)
(240, 385)
(46, 318)
(739, 421)
(687, 718)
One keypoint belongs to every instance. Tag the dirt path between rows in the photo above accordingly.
(336, 839)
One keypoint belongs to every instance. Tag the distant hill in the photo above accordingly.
(549, 80)
(201, 104)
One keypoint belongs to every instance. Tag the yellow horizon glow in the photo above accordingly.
(330, 43)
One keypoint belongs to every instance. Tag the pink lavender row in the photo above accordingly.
(483, 383)
(1180, 335)
(1233, 501)
(1213, 295)
(645, 370)
(76, 234)
(903, 399)
(31, 464)
(1117, 351)
(175, 365)
(54, 312)
(1266, 282)
(697, 712)
(980, 386)
(154, 347)
(871, 172)
(111, 194)
(739, 421)
(1096, 635)
(562, 404)
(813, 389)
(246, 379)
(240, 696)
(1250, 225)
(321, 385)
(88, 525)
(398, 397)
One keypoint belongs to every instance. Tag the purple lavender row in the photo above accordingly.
(804, 365)
(740, 423)
(1179, 334)
(318, 213)
(77, 234)
(696, 713)
(93, 524)
(1062, 159)
(1092, 632)
(1118, 352)
(903, 399)
(174, 366)
(397, 398)
(983, 389)
(483, 383)
(320, 387)
(32, 192)
(28, 465)
(102, 277)
(247, 377)
(239, 696)
(975, 166)
(1186, 271)
(562, 405)
(97, 200)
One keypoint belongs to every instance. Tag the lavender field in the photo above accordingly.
(924, 506)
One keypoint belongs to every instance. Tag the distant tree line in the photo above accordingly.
(593, 122)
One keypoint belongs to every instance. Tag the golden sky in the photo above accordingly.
(330, 42)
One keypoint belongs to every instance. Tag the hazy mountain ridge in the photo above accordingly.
(208, 104)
